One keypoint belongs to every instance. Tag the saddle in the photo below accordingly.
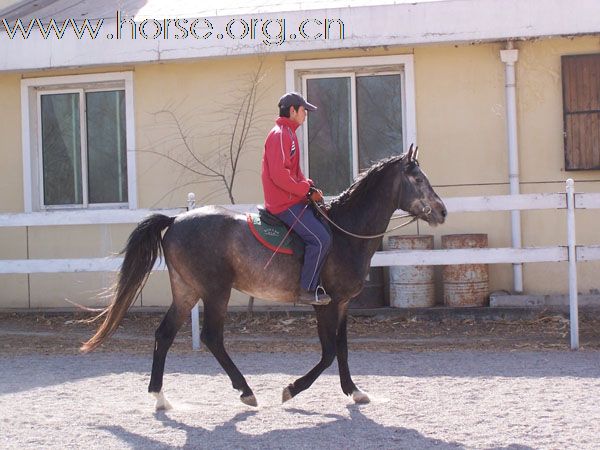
(270, 232)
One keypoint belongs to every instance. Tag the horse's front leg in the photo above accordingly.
(348, 386)
(326, 324)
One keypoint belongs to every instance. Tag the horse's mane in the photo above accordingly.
(364, 182)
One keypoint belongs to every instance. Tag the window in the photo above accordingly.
(365, 113)
(581, 106)
(76, 134)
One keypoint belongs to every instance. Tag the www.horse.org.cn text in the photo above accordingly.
(275, 31)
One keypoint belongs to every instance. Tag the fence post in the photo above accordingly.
(191, 201)
(573, 307)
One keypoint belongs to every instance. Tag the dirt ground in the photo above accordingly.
(445, 384)
(23, 333)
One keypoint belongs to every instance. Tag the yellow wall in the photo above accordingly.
(542, 159)
(460, 127)
(11, 166)
(13, 287)
(203, 98)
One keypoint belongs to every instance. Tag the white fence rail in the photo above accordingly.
(80, 217)
(506, 202)
(568, 252)
(384, 258)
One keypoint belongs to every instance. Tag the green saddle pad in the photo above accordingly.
(270, 235)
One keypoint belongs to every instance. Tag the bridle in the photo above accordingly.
(426, 211)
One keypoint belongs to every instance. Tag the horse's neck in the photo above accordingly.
(370, 215)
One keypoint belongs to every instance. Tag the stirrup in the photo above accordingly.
(320, 291)
(320, 288)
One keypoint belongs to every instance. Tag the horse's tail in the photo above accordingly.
(141, 251)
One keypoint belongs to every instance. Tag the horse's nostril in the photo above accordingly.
(444, 212)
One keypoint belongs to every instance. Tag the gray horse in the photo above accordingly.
(210, 250)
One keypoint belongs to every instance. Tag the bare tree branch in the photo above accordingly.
(177, 144)
(181, 164)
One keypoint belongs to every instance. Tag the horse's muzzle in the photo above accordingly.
(434, 216)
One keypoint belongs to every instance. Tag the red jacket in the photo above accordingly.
(283, 182)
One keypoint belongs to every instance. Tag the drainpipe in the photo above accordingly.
(509, 57)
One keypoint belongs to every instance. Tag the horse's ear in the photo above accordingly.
(416, 155)
(409, 154)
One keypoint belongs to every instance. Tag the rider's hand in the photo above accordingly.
(316, 195)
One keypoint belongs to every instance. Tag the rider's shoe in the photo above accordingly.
(313, 297)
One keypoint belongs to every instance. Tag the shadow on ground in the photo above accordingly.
(333, 431)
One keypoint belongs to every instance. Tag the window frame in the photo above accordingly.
(297, 72)
(32, 90)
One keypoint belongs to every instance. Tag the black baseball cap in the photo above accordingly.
(294, 99)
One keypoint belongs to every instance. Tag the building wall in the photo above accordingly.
(460, 119)
(461, 134)
(14, 287)
(461, 126)
(203, 98)
(11, 174)
(542, 160)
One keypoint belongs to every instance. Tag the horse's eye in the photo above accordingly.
(418, 180)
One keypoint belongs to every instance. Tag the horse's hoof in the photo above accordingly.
(287, 395)
(360, 397)
(162, 404)
(249, 400)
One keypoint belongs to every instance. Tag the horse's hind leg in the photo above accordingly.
(215, 310)
(327, 325)
(164, 336)
(184, 298)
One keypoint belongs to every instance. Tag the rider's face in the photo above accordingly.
(298, 116)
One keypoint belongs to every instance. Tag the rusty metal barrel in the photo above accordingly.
(411, 286)
(465, 284)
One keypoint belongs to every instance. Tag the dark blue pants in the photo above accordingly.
(316, 237)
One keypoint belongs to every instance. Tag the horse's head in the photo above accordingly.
(417, 197)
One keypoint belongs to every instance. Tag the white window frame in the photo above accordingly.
(31, 91)
(297, 72)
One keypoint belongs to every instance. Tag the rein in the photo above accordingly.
(368, 236)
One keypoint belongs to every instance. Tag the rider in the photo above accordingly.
(287, 193)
